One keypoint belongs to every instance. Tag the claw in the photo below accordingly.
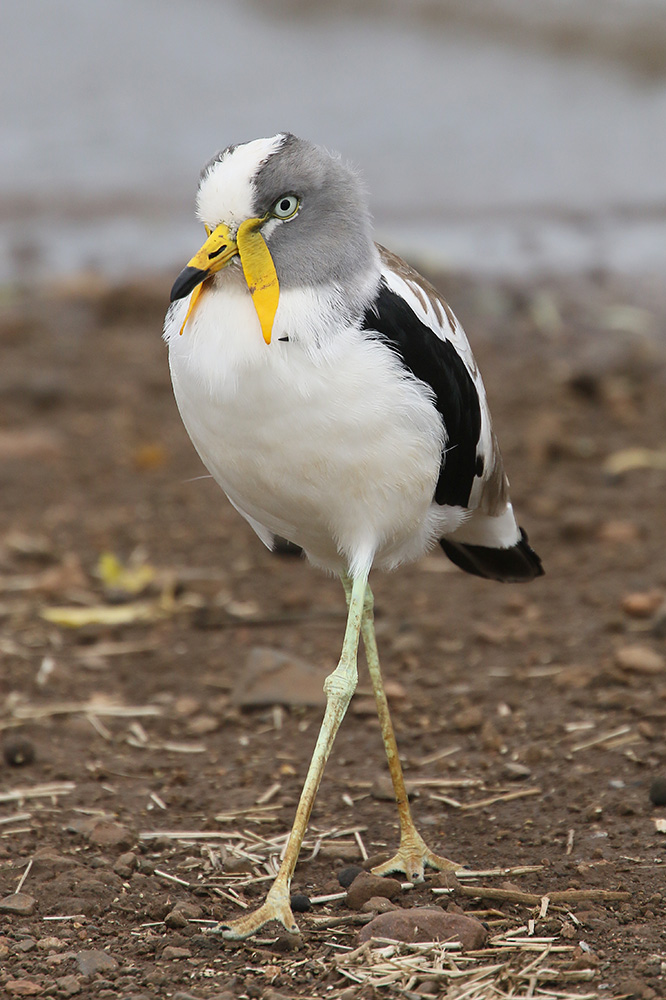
(275, 907)
(413, 857)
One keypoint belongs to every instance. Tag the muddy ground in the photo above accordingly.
(555, 691)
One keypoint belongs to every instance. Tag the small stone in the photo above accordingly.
(468, 719)
(68, 986)
(378, 904)
(642, 604)
(515, 771)
(18, 903)
(658, 791)
(618, 532)
(382, 789)
(50, 944)
(272, 677)
(18, 751)
(426, 924)
(93, 961)
(176, 920)
(640, 659)
(107, 833)
(23, 988)
(300, 903)
(48, 862)
(125, 864)
(238, 866)
(366, 885)
(429, 988)
(347, 875)
(173, 953)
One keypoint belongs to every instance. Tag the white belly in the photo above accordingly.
(331, 448)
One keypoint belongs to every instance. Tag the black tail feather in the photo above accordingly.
(517, 564)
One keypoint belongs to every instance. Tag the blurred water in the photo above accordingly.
(484, 147)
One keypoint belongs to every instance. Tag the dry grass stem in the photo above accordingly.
(49, 790)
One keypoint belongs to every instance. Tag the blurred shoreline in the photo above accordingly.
(507, 139)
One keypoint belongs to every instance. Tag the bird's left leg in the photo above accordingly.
(339, 687)
(413, 854)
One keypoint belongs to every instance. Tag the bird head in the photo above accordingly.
(288, 212)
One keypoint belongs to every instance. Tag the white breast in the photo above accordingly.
(323, 441)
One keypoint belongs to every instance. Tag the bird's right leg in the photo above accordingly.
(339, 687)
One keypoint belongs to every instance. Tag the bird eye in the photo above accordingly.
(286, 206)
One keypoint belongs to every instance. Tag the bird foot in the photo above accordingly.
(275, 907)
(413, 857)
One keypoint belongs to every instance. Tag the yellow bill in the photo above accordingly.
(258, 267)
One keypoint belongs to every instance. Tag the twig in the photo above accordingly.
(47, 791)
(508, 797)
(601, 739)
(24, 876)
(534, 899)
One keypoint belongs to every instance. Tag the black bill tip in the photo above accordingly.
(188, 279)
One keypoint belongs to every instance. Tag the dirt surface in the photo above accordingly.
(545, 702)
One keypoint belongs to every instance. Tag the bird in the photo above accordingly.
(332, 394)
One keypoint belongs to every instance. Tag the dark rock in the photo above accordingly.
(347, 875)
(300, 903)
(18, 903)
(658, 791)
(176, 920)
(426, 924)
(366, 885)
(18, 750)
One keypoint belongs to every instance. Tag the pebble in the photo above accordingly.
(173, 952)
(107, 833)
(68, 986)
(23, 988)
(176, 920)
(125, 864)
(515, 771)
(18, 751)
(48, 862)
(300, 903)
(18, 903)
(640, 659)
(50, 944)
(347, 875)
(90, 962)
(468, 719)
(618, 532)
(366, 885)
(382, 789)
(426, 924)
(378, 904)
(642, 604)
(272, 677)
(658, 791)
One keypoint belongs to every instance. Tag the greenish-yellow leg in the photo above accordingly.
(413, 855)
(339, 687)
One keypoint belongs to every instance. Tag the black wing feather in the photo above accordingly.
(437, 363)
